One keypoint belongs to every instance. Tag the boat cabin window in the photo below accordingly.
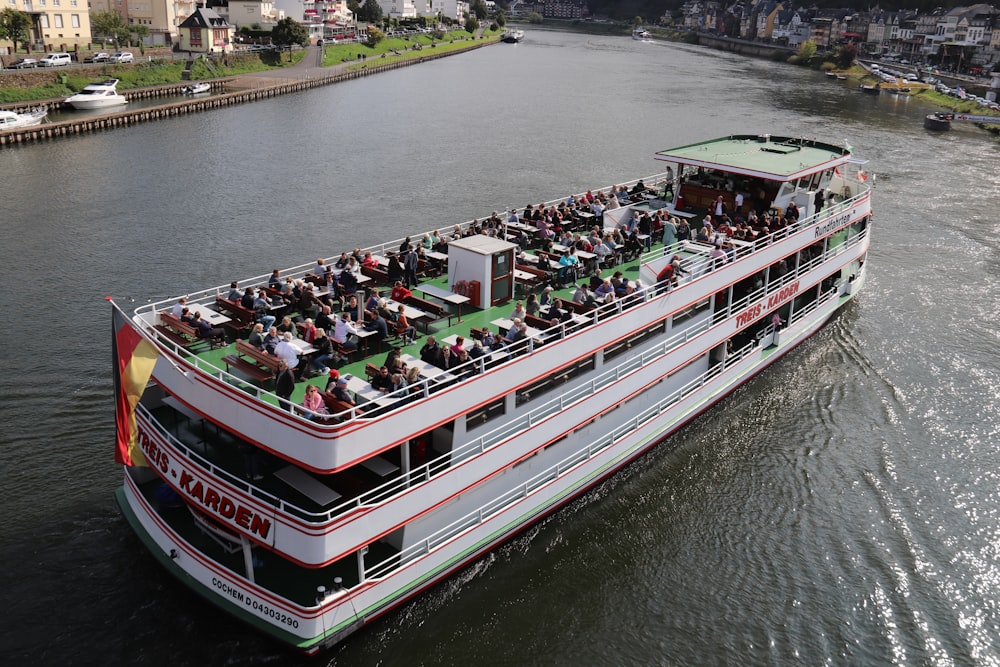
(483, 414)
(554, 380)
(624, 345)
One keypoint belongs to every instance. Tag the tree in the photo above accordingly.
(374, 37)
(139, 32)
(288, 31)
(501, 18)
(471, 25)
(806, 52)
(370, 12)
(354, 6)
(478, 8)
(637, 21)
(535, 17)
(111, 25)
(845, 55)
(14, 26)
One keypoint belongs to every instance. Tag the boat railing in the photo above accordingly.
(553, 473)
(749, 247)
(504, 432)
(297, 272)
(425, 387)
(563, 401)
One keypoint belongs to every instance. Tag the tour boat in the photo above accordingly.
(10, 120)
(98, 96)
(309, 526)
(640, 34)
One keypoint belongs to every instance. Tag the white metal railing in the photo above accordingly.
(556, 405)
(696, 269)
(564, 466)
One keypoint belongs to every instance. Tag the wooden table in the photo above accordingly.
(444, 295)
(209, 314)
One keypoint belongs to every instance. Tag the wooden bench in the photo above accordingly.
(541, 276)
(241, 319)
(377, 274)
(180, 333)
(335, 406)
(537, 322)
(433, 310)
(258, 365)
(578, 308)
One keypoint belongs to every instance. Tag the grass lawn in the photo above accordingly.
(398, 48)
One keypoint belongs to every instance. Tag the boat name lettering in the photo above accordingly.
(253, 603)
(782, 294)
(833, 224)
(154, 455)
(223, 506)
(755, 311)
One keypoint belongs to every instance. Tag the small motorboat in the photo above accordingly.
(10, 120)
(98, 96)
(512, 36)
(641, 34)
(197, 88)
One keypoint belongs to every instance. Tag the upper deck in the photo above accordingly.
(229, 398)
(760, 156)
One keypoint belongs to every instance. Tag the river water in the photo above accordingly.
(842, 508)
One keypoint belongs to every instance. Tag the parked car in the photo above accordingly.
(122, 57)
(97, 58)
(55, 60)
(24, 63)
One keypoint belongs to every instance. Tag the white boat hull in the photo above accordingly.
(312, 628)
(99, 103)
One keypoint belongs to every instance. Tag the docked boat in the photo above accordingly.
(871, 89)
(98, 96)
(10, 120)
(640, 34)
(197, 88)
(310, 517)
(512, 36)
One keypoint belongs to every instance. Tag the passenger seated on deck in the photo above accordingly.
(369, 261)
(519, 312)
(348, 282)
(343, 330)
(381, 382)
(403, 327)
(274, 282)
(583, 296)
(271, 340)
(215, 335)
(287, 325)
(399, 292)
(312, 402)
(638, 187)
(257, 336)
(287, 352)
(379, 326)
(605, 292)
(430, 353)
(339, 390)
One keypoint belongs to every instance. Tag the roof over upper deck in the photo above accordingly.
(760, 156)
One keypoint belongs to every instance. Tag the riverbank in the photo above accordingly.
(306, 73)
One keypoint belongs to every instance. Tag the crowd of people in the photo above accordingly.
(328, 307)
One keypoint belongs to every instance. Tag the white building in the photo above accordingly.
(249, 12)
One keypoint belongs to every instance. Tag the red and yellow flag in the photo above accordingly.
(134, 357)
